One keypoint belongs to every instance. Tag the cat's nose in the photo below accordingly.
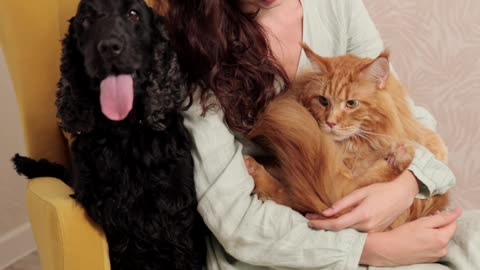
(331, 124)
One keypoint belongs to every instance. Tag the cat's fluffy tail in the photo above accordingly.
(40, 168)
(306, 157)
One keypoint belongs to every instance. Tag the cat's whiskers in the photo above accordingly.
(365, 137)
(342, 133)
(374, 133)
(374, 143)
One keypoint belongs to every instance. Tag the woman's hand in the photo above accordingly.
(375, 207)
(424, 240)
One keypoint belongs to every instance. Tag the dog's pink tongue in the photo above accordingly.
(116, 97)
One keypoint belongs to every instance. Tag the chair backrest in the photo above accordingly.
(30, 34)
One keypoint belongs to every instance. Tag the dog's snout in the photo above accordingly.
(110, 47)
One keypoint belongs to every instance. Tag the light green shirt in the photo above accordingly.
(249, 234)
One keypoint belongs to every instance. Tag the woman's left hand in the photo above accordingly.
(375, 207)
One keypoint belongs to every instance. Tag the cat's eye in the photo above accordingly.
(133, 15)
(352, 104)
(323, 101)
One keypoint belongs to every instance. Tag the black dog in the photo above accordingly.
(119, 96)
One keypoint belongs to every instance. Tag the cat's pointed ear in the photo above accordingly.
(378, 70)
(318, 63)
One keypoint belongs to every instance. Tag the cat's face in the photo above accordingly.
(341, 93)
(340, 109)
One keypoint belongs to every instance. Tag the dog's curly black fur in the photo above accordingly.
(133, 177)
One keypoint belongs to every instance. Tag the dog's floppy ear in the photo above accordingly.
(75, 110)
(167, 88)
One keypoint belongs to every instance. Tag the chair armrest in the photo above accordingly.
(65, 237)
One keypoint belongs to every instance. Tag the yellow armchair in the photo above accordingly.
(66, 240)
(30, 34)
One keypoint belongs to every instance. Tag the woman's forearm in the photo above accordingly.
(255, 232)
(424, 240)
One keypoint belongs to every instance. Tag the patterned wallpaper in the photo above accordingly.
(435, 48)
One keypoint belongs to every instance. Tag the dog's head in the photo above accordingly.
(116, 55)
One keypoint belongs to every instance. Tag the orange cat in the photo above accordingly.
(362, 132)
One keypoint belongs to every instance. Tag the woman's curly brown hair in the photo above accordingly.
(224, 52)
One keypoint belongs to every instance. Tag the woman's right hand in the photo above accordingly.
(424, 240)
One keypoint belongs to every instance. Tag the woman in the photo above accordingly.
(246, 51)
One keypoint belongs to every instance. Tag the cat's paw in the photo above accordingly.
(252, 166)
(263, 197)
(266, 187)
(400, 156)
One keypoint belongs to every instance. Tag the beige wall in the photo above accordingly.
(435, 47)
(15, 237)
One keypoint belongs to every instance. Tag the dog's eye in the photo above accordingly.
(86, 21)
(133, 15)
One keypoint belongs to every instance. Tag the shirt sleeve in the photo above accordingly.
(255, 232)
(364, 40)
(435, 177)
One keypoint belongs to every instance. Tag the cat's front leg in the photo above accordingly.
(401, 155)
(266, 186)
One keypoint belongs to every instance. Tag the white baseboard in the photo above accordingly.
(15, 245)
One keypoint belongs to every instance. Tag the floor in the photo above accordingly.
(30, 262)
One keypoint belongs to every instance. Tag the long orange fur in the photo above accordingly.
(315, 169)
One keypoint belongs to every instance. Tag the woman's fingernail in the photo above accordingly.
(329, 210)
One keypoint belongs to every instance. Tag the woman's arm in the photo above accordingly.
(365, 41)
(267, 234)
(427, 241)
(254, 232)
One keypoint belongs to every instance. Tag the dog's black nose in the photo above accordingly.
(110, 47)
